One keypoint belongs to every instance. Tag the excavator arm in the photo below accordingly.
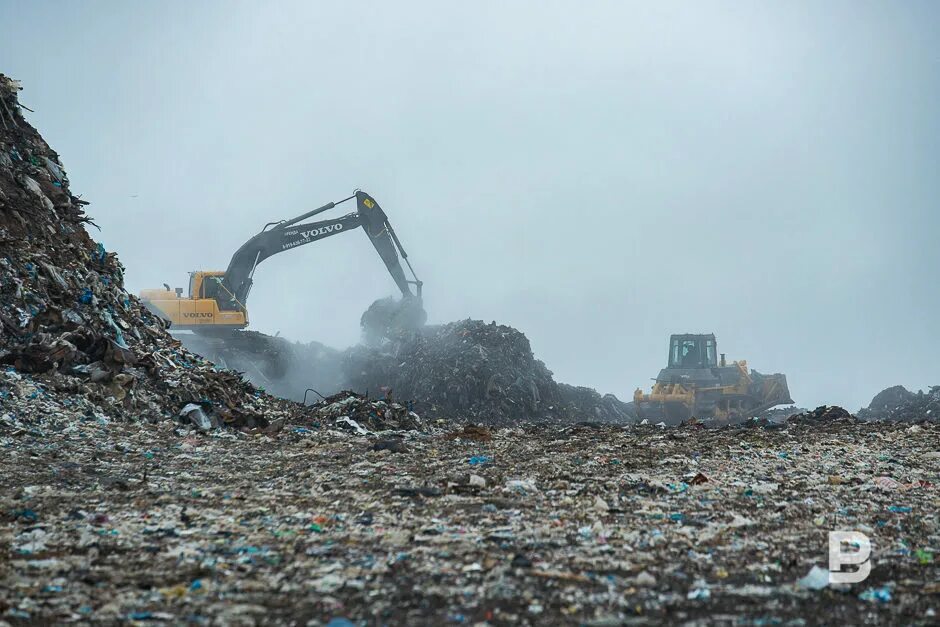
(290, 234)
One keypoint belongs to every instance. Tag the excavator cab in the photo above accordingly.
(209, 285)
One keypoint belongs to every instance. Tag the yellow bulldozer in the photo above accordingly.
(698, 383)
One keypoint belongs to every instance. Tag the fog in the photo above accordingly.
(597, 175)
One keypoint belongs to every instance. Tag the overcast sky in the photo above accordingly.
(598, 175)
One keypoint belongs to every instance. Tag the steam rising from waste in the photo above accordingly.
(466, 370)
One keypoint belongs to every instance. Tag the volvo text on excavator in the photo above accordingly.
(216, 304)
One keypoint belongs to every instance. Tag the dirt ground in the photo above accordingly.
(111, 522)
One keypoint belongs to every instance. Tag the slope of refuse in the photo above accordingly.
(66, 321)
(466, 369)
(897, 403)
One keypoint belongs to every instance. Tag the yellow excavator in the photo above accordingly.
(696, 383)
(215, 307)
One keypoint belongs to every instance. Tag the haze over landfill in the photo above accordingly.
(599, 177)
(591, 195)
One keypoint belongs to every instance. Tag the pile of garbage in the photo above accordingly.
(356, 412)
(467, 369)
(66, 321)
(824, 413)
(478, 372)
(899, 404)
(587, 404)
(462, 371)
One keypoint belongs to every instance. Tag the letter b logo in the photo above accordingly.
(849, 547)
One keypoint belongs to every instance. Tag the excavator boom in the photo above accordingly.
(218, 300)
(290, 234)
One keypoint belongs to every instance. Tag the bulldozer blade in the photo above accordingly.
(670, 412)
(770, 390)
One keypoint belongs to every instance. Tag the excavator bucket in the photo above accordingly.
(389, 318)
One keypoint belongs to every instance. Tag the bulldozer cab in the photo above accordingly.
(689, 351)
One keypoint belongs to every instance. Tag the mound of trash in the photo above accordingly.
(68, 328)
(898, 404)
(824, 413)
(474, 371)
(356, 412)
(468, 370)
(583, 403)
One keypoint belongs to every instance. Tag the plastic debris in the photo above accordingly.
(197, 416)
(700, 591)
(355, 518)
(876, 595)
(816, 579)
(360, 414)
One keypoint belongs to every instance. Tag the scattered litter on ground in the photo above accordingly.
(108, 520)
